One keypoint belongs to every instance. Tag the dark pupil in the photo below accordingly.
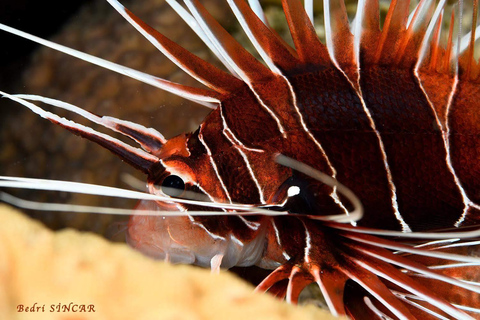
(173, 186)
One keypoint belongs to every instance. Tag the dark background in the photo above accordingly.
(41, 18)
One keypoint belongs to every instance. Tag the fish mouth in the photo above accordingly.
(155, 236)
(176, 254)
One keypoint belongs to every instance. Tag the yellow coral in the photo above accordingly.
(68, 269)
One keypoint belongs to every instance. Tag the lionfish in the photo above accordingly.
(351, 163)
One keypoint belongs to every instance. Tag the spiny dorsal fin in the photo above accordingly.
(469, 67)
(198, 68)
(150, 139)
(436, 80)
(445, 67)
(309, 48)
(205, 97)
(368, 30)
(257, 8)
(411, 41)
(393, 28)
(273, 51)
(136, 157)
(340, 41)
(435, 50)
(249, 68)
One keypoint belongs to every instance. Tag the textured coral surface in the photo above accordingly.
(47, 268)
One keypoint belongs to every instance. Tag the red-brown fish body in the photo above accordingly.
(387, 114)
(377, 129)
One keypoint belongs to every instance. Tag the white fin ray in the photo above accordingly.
(60, 207)
(328, 29)
(375, 287)
(404, 298)
(411, 235)
(252, 38)
(181, 57)
(418, 13)
(203, 24)
(121, 10)
(208, 101)
(446, 307)
(456, 53)
(138, 153)
(454, 265)
(257, 8)
(429, 32)
(99, 190)
(460, 244)
(105, 121)
(197, 28)
(309, 10)
(374, 309)
(465, 41)
(412, 250)
(468, 282)
(467, 308)
(436, 242)
(422, 270)
(357, 28)
(330, 34)
(461, 307)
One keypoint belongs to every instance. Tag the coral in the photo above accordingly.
(51, 268)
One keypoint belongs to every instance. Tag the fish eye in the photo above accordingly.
(173, 186)
(299, 197)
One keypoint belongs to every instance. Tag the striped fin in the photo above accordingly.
(301, 280)
(444, 64)
(383, 274)
(332, 284)
(135, 157)
(416, 268)
(367, 28)
(433, 58)
(452, 280)
(373, 257)
(193, 24)
(470, 69)
(257, 8)
(457, 54)
(395, 276)
(409, 46)
(271, 49)
(373, 285)
(205, 97)
(149, 138)
(309, 48)
(340, 41)
(244, 64)
(393, 30)
(448, 54)
(434, 64)
(198, 68)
